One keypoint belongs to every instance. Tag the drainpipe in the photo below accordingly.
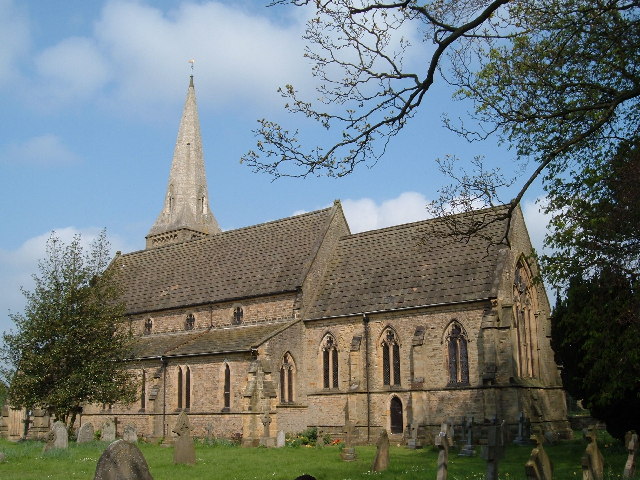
(365, 321)
(164, 395)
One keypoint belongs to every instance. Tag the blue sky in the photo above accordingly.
(91, 96)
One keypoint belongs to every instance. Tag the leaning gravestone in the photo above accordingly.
(493, 451)
(184, 451)
(280, 439)
(539, 466)
(592, 460)
(130, 434)
(108, 433)
(61, 436)
(381, 462)
(442, 441)
(122, 461)
(632, 448)
(85, 433)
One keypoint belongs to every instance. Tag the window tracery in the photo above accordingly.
(390, 358)
(330, 362)
(457, 356)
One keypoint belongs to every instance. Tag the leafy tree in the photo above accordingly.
(3, 394)
(594, 332)
(70, 343)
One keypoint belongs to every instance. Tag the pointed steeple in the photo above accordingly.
(186, 214)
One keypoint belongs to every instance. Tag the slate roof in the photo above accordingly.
(409, 265)
(221, 340)
(258, 260)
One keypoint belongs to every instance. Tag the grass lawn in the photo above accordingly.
(26, 461)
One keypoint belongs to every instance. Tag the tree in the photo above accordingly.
(594, 332)
(71, 342)
(556, 80)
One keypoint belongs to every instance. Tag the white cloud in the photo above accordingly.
(365, 214)
(14, 39)
(17, 266)
(43, 150)
(74, 69)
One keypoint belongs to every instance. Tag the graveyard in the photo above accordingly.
(216, 459)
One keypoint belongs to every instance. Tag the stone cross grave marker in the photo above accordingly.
(632, 448)
(524, 433)
(85, 433)
(348, 452)
(122, 461)
(494, 450)
(381, 460)
(184, 451)
(539, 466)
(468, 450)
(442, 442)
(266, 440)
(592, 460)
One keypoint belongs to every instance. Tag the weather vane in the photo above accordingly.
(192, 61)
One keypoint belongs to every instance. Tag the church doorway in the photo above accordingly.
(396, 415)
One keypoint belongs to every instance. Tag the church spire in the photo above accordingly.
(186, 214)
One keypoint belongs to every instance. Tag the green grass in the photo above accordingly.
(26, 461)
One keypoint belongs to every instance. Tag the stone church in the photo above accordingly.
(299, 323)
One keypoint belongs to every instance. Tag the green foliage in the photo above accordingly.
(3, 394)
(595, 331)
(70, 342)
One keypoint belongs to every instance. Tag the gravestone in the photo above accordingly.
(320, 440)
(122, 461)
(49, 440)
(539, 466)
(524, 431)
(3, 457)
(266, 440)
(493, 451)
(130, 434)
(85, 433)
(632, 448)
(61, 436)
(468, 450)
(442, 441)
(592, 460)
(108, 432)
(414, 442)
(281, 439)
(184, 451)
(348, 452)
(381, 461)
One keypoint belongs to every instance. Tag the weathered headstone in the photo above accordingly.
(539, 466)
(524, 434)
(442, 441)
(592, 460)
(85, 433)
(108, 432)
(266, 440)
(49, 440)
(122, 461)
(280, 439)
(494, 450)
(632, 448)
(130, 434)
(61, 439)
(468, 450)
(414, 442)
(381, 461)
(184, 451)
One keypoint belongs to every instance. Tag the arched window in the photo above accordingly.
(148, 326)
(287, 378)
(187, 389)
(227, 388)
(457, 356)
(390, 358)
(143, 391)
(525, 309)
(184, 388)
(329, 362)
(189, 322)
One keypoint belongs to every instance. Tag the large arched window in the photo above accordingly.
(457, 355)
(287, 379)
(227, 388)
(390, 358)
(329, 362)
(525, 308)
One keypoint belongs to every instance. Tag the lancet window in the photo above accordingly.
(189, 322)
(457, 356)
(184, 388)
(525, 308)
(329, 362)
(287, 379)
(390, 358)
(227, 388)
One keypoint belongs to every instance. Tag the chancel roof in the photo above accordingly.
(411, 265)
(213, 341)
(259, 260)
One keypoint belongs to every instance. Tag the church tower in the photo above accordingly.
(186, 214)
